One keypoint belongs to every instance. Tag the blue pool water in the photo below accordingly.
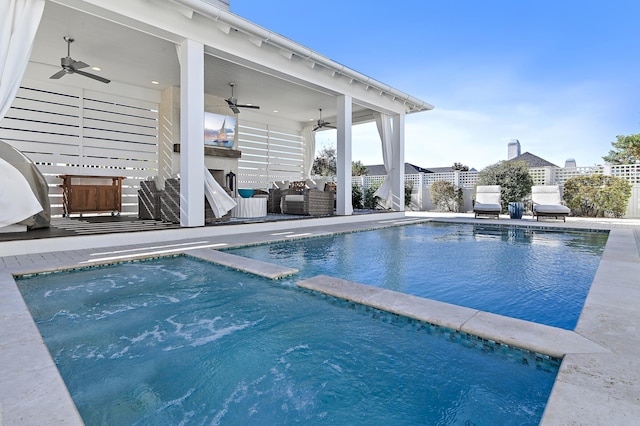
(180, 341)
(534, 275)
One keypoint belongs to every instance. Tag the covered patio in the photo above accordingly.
(170, 63)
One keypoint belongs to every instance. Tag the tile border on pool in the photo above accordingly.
(538, 338)
(520, 355)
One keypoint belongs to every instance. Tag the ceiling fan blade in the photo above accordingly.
(58, 74)
(76, 65)
(232, 105)
(93, 76)
(248, 106)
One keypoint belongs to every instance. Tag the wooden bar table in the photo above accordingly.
(91, 194)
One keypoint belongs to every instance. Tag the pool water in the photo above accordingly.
(530, 274)
(181, 341)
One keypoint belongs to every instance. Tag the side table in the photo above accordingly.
(250, 207)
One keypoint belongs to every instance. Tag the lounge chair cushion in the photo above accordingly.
(550, 209)
(547, 201)
(487, 200)
(294, 197)
(486, 207)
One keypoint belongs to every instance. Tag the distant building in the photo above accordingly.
(409, 169)
(532, 160)
(513, 149)
(570, 163)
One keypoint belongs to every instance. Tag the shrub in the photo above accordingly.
(443, 195)
(459, 200)
(597, 195)
(371, 201)
(408, 189)
(356, 196)
(512, 176)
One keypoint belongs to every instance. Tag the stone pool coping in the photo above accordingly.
(598, 381)
(533, 337)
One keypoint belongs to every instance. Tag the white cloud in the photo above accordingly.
(474, 123)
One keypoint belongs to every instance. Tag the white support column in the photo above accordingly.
(397, 179)
(191, 134)
(344, 205)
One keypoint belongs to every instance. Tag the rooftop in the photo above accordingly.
(533, 160)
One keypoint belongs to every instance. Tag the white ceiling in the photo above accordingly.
(133, 57)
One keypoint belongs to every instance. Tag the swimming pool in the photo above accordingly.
(527, 273)
(180, 341)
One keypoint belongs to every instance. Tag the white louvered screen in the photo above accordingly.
(268, 154)
(75, 131)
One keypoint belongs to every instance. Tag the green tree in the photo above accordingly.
(626, 150)
(460, 166)
(597, 195)
(325, 163)
(358, 169)
(512, 176)
(443, 195)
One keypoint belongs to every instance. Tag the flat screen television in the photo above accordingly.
(219, 130)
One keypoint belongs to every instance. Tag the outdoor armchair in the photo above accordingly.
(303, 201)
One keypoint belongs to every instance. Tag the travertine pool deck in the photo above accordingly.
(598, 381)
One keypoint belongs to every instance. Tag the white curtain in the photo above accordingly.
(17, 201)
(383, 121)
(217, 197)
(19, 20)
(309, 137)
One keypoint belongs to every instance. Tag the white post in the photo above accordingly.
(397, 174)
(191, 134)
(421, 191)
(344, 206)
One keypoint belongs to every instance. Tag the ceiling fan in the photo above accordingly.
(71, 66)
(323, 124)
(233, 102)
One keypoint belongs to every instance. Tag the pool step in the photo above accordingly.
(252, 266)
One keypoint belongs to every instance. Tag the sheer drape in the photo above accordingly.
(309, 137)
(19, 20)
(383, 122)
(17, 201)
(217, 197)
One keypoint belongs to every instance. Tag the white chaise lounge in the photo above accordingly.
(547, 202)
(487, 201)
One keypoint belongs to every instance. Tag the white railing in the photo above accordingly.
(423, 180)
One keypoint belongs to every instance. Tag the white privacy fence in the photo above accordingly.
(421, 182)
(66, 130)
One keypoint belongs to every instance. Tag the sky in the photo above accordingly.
(560, 76)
